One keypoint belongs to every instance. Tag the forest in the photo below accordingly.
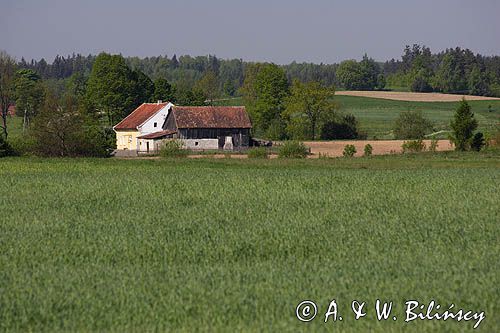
(453, 70)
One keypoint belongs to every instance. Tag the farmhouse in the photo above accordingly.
(203, 127)
(146, 119)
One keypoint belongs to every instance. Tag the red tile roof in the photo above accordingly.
(157, 135)
(139, 116)
(211, 117)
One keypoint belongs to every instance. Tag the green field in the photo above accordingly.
(377, 116)
(227, 245)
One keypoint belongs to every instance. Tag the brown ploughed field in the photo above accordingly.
(380, 147)
(414, 97)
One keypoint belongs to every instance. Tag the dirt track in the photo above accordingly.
(380, 147)
(413, 97)
(335, 148)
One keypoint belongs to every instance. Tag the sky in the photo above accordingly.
(279, 31)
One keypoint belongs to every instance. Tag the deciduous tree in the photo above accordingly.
(29, 93)
(63, 129)
(114, 89)
(163, 91)
(209, 85)
(7, 71)
(364, 75)
(265, 90)
(308, 106)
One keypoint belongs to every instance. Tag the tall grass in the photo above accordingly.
(119, 245)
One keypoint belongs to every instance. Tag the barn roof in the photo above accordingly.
(139, 116)
(211, 117)
(157, 135)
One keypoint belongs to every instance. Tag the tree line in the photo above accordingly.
(451, 71)
(454, 70)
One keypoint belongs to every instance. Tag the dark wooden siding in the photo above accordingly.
(170, 122)
(241, 136)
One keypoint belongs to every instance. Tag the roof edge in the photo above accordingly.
(127, 117)
(145, 121)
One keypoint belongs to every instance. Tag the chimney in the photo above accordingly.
(159, 101)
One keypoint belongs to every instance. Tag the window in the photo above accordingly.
(155, 124)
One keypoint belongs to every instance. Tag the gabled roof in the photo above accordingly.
(211, 117)
(139, 116)
(157, 135)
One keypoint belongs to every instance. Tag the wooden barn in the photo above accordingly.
(205, 128)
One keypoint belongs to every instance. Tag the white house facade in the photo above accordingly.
(146, 119)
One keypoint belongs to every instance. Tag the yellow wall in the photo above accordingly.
(127, 140)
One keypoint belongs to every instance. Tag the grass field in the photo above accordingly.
(227, 245)
(377, 116)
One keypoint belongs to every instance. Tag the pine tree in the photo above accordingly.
(463, 126)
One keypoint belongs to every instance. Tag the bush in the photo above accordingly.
(412, 125)
(413, 146)
(259, 152)
(5, 148)
(349, 151)
(293, 149)
(477, 142)
(345, 128)
(173, 148)
(23, 145)
(368, 150)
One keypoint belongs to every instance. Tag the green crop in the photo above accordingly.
(226, 245)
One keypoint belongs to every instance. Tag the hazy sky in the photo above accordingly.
(265, 30)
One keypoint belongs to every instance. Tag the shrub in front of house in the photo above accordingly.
(413, 146)
(293, 149)
(258, 152)
(368, 150)
(173, 148)
(349, 151)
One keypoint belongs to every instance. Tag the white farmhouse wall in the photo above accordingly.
(158, 118)
(201, 143)
(143, 144)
